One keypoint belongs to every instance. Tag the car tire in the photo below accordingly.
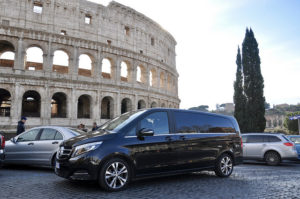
(224, 165)
(114, 175)
(272, 158)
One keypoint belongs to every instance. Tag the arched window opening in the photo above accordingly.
(107, 108)
(7, 55)
(140, 74)
(152, 78)
(125, 105)
(59, 105)
(162, 80)
(5, 103)
(85, 65)
(34, 59)
(106, 68)
(31, 104)
(169, 82)
(153, 105)
(60, 62)
(141, 104)
(124, 71)
(84, 107)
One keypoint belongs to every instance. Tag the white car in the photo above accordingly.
(271, 148)
(37, 146)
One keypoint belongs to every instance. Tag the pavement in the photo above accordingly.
(251, 180)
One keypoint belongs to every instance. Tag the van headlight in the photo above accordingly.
(81, 149)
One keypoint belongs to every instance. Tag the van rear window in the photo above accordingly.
(201, 123)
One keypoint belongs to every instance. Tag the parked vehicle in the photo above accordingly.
(153, 142)
(296, 140)
(37, 146)
(2, 149)
(271, 148)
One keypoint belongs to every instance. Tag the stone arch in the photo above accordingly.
(59, 105)
(5, 102)
(153, 78)
(153, 105)
(84, 106)
(60, 61)
(169, 83)
(125, 71)
(126, 105)
(85, 64)
(141, 104)
(141, 74)
(162, 80)
(107, 107)
(7, 54)
(31, 104)
(34, 58)
(107, 68)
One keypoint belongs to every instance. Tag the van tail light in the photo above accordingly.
(288, 144)
(3, 142)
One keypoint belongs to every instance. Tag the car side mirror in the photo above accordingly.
(145, 132)
(13, 140)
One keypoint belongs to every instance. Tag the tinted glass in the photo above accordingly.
(48, 134)
(201, 123)
(158, 122)
(273, 139)
(132, 132)
(58, 136)
(29, 136)
(119, 122)
(254, 139)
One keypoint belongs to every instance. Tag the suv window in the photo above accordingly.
(58, 136)
(157, 121)
(29, 136)
(273, 139)
(254, 139)
(201, 123)
(48, 134)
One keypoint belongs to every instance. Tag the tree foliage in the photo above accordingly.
(250, 111)
(291, 125)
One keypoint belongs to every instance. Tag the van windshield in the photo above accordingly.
(117, 123)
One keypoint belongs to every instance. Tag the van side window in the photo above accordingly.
(157, 121)
(201, 123)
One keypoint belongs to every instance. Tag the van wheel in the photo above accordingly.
(224, 165)
(114, 175)
(272, 158)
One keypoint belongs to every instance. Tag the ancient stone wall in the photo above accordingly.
(69, 95)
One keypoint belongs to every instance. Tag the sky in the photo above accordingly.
(208, 33)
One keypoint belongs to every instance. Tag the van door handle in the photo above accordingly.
(55, 142)
(31, 143)
(182, 137)
(168, 138)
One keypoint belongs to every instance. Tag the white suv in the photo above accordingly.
(272, 148)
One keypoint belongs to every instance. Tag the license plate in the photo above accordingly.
(57, 165)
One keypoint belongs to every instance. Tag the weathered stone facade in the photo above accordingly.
(68, 95)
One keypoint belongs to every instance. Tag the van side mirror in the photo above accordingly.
(145, 132)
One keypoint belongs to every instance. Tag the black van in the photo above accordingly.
(152, 142)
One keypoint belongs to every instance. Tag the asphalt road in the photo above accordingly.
(251, 180)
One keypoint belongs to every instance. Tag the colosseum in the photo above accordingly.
(88, 62)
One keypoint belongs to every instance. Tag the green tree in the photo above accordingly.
(291, 125)
(253, 85)
(239, 98)
(203, 108)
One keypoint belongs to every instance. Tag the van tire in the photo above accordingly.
(224, 165)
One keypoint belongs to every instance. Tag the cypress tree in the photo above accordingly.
(239, 97)
(253, 85)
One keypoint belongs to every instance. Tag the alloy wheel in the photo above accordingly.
(116, 175)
